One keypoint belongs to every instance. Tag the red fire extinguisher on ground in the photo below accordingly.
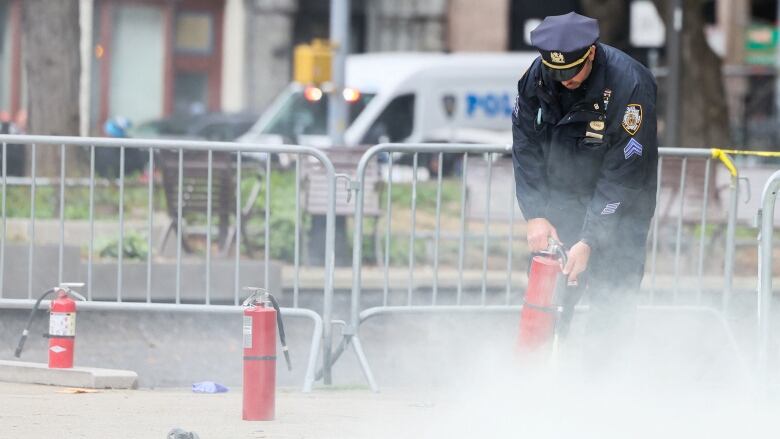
(261, 318)
(62, 325)
(541, 308)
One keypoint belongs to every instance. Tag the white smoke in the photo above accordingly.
(678, 376)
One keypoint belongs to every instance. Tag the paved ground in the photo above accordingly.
(442, 377)
(33, 411)
(481, 408)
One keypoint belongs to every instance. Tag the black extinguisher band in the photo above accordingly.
(547, 309)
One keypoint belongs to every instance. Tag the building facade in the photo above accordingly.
(150, 59)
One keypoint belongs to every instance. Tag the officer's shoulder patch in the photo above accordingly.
(632, 148)
(632, 118)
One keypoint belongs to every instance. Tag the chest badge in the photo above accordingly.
(632, 118)
(597, 125)
(606, 97)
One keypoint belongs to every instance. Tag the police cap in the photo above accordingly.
(564, 42)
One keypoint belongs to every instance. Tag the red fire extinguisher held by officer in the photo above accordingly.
(261, 318)
(62, 325)
(543, 304)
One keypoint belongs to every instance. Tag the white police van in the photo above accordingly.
(405, 97)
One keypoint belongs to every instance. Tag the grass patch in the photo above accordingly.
(106, 201)
(426, 196)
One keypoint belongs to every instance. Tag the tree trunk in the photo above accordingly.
(703, 110)
(613, 17)
(703, 113)
(52, 64)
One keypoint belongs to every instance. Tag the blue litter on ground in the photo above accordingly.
(208, 387)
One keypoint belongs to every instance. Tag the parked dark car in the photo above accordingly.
(209, 126)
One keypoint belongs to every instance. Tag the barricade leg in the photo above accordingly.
(352, 340)
(357, 346)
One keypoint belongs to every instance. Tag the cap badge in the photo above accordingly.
(557, 57)
(632, 118)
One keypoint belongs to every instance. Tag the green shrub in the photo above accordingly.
(134, 247)
(282, 215)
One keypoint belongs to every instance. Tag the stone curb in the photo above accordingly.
(87, 377)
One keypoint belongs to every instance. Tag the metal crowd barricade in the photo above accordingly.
(204, 304)
(765, 222)
(358, 314)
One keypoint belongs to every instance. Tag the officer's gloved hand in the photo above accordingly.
(539, 230)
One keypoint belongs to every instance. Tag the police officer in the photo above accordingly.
(585, 161)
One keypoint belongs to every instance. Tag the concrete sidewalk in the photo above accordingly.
(489, 408)
(36, 411)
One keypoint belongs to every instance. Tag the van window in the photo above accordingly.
(396, 122)
(298, 116)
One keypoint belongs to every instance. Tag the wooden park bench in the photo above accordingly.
(314, 191)
(195, 195)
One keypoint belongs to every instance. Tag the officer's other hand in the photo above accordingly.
(577, 261)
(539, 229)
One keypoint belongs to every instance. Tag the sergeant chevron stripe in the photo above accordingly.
(610, 208)
(632, 148)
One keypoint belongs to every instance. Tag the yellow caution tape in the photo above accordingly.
(723, 156)
(754, 153)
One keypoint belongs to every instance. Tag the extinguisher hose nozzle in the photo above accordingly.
(287, 357)
(20, 346)
(280, 324)
(26, 331)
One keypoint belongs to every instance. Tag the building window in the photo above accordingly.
(137, 62)
(194, 33)
(190, 93)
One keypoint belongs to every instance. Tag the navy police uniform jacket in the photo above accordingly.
(586, 160)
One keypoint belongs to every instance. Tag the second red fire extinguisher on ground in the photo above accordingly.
(62, 325)
(261, 318)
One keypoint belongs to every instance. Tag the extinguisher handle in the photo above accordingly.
(560, 251)
(75, 295)
(280, 324)
(256, 292)
(556, 250)
(559, 255)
